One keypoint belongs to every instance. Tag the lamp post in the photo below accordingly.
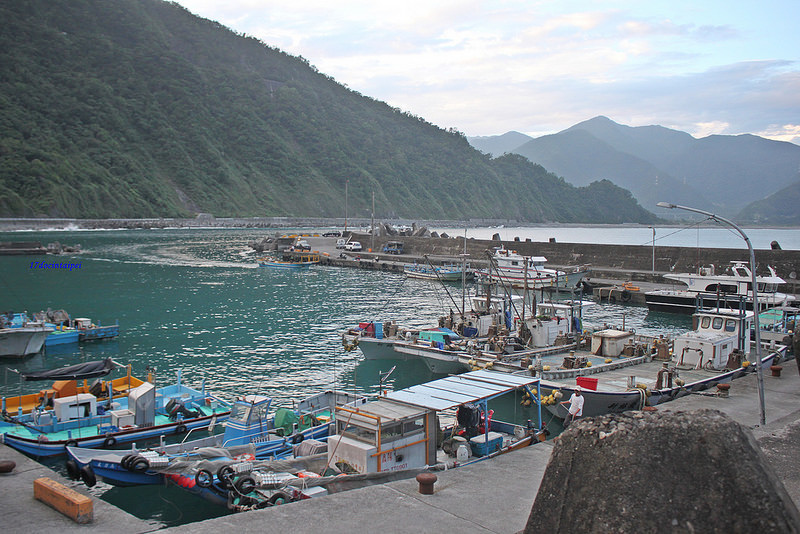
(759, 370)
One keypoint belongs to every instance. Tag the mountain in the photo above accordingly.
(497, 145)
(779, 208)
(137, 108)
(719, 173)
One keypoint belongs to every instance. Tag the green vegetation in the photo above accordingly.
(123, 108)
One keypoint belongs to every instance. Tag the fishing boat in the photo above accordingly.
(441, 424)
(706, 289)
(251, 429)
(20, 337)
(301, 261)
(106, 414)
(67, 330)
(444, 273)
(712, 353)
(527, 272)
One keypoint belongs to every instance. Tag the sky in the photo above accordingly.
(540, 66)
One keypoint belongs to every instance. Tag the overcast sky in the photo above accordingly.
(540, 66)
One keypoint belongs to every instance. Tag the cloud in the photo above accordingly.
(540, 66)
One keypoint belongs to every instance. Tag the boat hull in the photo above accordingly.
(20, 342)
(686, 302)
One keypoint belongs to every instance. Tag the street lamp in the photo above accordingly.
(759, 370)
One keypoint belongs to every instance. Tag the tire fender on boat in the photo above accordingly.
(180, 429)
(73, 471)
(110, 441)
(139, 464)
(204, 478)
(71, 443)
(88, 476)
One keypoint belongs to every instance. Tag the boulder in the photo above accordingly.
(694, 471)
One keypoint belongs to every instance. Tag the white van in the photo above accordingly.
(355, 246)
(341, 243)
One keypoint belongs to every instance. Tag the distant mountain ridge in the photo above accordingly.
(720, 173)
(137, 108)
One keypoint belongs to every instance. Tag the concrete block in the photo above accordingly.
(69, 502)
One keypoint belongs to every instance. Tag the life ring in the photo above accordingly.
(71, 443)
(204, 478)
(88, 476)
(110, 441)
(180, 429)
(245, 485)
(73, 471)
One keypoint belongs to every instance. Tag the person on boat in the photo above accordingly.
(575, 406)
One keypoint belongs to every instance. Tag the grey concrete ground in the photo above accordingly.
(21, 513)
(493, 496)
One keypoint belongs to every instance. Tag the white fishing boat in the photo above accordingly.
(20, 337)
(706, 289)
(443, 273)
(511, 268)
(714, 352)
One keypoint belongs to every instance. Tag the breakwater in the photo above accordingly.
(627, 262)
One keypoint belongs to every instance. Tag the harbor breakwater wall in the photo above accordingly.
(630, 262)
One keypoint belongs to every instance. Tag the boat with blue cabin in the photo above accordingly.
(250, 429)
(106, 413)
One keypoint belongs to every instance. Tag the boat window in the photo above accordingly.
(717, 323)
(730, 325)
(240, 412)
(258, 413)
(410, 427)
(514, 262)
(391, 432)
(357, 432)
(705, 322)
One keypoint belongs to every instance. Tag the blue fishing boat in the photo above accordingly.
(443, 273)
(106, 414)
(251, 430)
(67, 330)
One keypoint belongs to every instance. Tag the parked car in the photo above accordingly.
(335, 233)
(341, 243)
(353, 246)
(302, 245)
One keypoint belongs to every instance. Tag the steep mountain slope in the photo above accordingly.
(134, 108)
(720, 173)
(781, 208)
(582, 158)
(497, 145)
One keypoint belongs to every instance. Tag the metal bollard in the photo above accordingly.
(426, 481)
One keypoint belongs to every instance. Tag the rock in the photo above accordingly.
(665, 472)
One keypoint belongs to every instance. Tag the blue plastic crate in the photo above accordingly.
(481, 446)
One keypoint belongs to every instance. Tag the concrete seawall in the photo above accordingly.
(625, 262)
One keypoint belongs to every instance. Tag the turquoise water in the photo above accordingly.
(195, 300)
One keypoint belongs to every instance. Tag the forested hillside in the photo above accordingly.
(137, 108)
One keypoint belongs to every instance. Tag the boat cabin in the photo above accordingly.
(718, 335)
(399, 431)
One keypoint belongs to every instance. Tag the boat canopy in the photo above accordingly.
(74, 372)
(452, 391)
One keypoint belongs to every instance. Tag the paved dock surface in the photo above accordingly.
(23, 514)
(493, 496)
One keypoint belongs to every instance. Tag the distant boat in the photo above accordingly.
(445, 273)
(528, 272)
(303, 261)
(709, 290)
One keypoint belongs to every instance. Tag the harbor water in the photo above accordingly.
(195, 301)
